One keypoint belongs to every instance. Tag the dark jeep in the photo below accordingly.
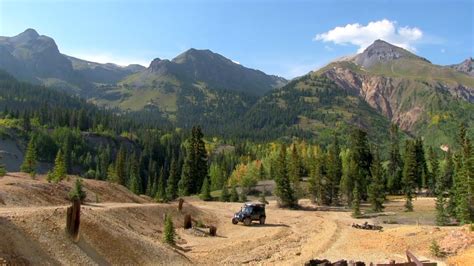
(250, 212)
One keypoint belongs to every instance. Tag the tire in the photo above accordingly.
(235, 221)
(247, 221)
(262, 220)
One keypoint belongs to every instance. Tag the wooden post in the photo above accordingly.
(187, 221)
(212, 230)
(180, 204)
(73, 220)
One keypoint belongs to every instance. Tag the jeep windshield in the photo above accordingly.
(247, 210)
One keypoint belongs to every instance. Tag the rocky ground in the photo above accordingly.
(122, 228)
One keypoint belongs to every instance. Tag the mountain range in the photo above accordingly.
(384, 84)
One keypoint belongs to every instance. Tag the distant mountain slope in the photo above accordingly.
(36, 58)
(312, 106)
(466, 66)
(410, 91)
(205, 67)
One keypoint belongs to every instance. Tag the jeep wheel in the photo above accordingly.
(262, 220)
(247, 221)
(235, 221)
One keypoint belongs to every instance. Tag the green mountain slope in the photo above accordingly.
(422, 98)
(312, 106)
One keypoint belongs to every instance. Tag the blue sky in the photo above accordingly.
(287, 38)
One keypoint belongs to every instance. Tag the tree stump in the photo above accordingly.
(187, 221)
(73, 220)
(212, 230)
(180, 204)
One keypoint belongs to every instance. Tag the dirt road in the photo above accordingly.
(292, 237)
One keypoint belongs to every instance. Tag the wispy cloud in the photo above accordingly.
(110, 58)
(364, 35)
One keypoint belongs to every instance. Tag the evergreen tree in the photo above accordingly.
(3, 171)
(420, 164)
(206, 190)
(261, 173)
(433, 174)
(77, 193)
(161, 192)
(30, 160)
(410, 173)
(59, 171)
(461, 191)
(294, 169)
(225, 196)
(120, 165)
(169, 232)
(334, 172)
(195, 168)
(363, 158)
(112, 174)
(395, 163)
(376, 187)
(284, 191)
(349, 168)
(135, 184)
(172, 183)
(356, 201)
(441, 212)
(234, 195)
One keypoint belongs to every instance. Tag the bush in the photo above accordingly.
(77, 193)
(234, 195)
(436, 250)
(168, 232)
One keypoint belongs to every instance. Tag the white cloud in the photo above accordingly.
(364, 35)
(109, 58)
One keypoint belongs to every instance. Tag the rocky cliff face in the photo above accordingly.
(467, 66)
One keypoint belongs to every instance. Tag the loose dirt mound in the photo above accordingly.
(456, 241)
(19, 189)
(120, 232)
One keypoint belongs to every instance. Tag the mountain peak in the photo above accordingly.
(27, 35)
(381, 52)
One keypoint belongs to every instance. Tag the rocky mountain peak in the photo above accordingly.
(380, 52)
(466, 66)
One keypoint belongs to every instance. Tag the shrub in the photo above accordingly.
(168, 232)
(77, 193)
(436, 250)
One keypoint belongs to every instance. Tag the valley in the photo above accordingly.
(122, 227)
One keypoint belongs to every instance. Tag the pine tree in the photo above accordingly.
(206, 190)
(441, 212)
(172, 182)
(185, 183)
(3, 171)
(29, 162)
(135, 184)
(59, 171)
(376, 187)
(284, 191)
(120, 165)
(294, 169)
(202, 170)
(461, 191)
(234, 195)
(334, 171)
(169, 232)
(225, 196)
(77, 193)
(395, 165)
(433, 173)
(363, 158)
(410, 173)
(356, 201)
(349, 168)
(112, 174)
(420, 164)
(161, 192)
